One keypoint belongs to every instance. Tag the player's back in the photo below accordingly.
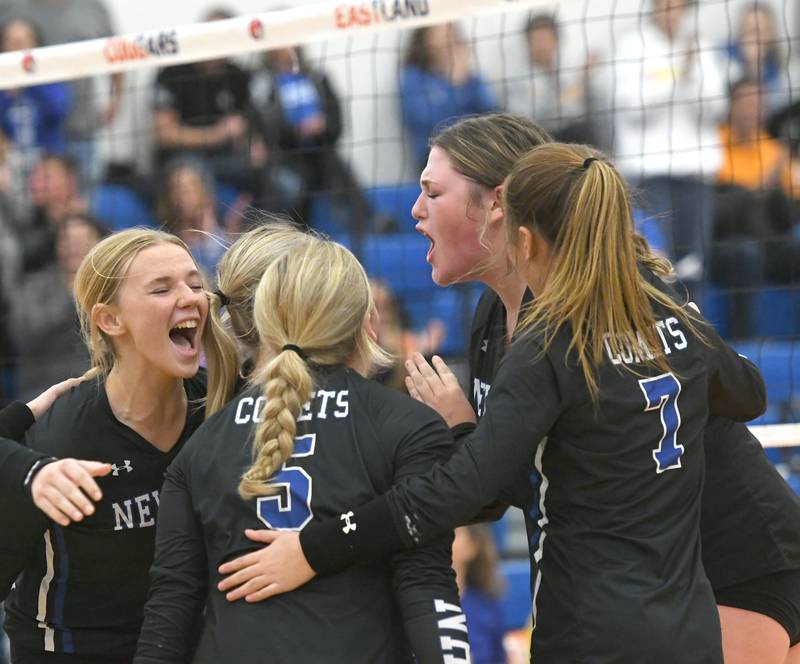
(620, 481)
(354, 437)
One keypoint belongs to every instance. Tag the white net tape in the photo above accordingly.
(778, 435)
(242, 34)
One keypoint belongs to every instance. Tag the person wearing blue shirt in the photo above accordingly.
(438, 83)
(33, 118)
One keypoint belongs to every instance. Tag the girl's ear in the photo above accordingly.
(107, 319)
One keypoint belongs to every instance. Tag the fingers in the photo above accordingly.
(243, 576)
(95, 468)
(412, 390)
(82, 474)
(52, 512)
(252, 586)
(425, 379)
(447, 377)
(62, 489)
(239, 563)
(264, 536)
(265, 593)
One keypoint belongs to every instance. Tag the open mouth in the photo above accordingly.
(431, 240)
(184, 336)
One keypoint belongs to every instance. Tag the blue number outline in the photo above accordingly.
(307, 445)
(666, 399)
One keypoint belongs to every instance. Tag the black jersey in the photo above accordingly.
(487, 345)
(82, 588)
(750, 523)
(16, 461)
(355, 439)
(619, 575)
(16, 508)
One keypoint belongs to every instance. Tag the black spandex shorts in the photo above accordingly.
(775, 595)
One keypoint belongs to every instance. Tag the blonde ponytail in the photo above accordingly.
(315, 298)
(575, 198)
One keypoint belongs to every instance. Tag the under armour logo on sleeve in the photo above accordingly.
(349, 525)
(484, 345)
(115, 469)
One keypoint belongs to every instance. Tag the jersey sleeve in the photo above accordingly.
(736, 387)
(524, 403)
(423, 578)
(178, 577)
(15, 420)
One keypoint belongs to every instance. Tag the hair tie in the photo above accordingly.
(295, 349)
(224, 299)
(588, 162)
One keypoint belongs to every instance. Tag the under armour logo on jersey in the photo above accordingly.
(484, 345)
(115, 469)
(348, 525)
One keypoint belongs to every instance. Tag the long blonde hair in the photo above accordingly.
(99, 280)
(317, 298)
(238, 274)
(575, 198)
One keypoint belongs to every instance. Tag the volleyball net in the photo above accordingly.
(324, 110)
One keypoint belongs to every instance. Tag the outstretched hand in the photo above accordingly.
(437, 387)
(277, 568)
(64, 490)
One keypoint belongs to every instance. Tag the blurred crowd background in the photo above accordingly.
(697, 102)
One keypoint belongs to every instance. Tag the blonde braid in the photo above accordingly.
(287, 386)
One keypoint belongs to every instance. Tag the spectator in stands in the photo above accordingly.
(757, 193)
(9, 271)
(188, 208)
(669, 97)
(61, 22)
(395, 335)
(302, 115)
(558, 98)
(755, 54)
(438, 84)
(203, 111)
(43, 320)
(751, 158)
(33, 118)
(480, 586)
(54, 193)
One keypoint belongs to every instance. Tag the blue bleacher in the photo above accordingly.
(120, 207)
(388, 201)
(516, 600)
(777, 311)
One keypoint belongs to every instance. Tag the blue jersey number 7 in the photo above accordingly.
(661, 394)
(290, 507)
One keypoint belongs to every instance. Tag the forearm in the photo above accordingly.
(178, 579)
(15, 420)
(172, 134)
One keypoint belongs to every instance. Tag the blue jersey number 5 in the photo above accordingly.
(661, 394)
(290, 507)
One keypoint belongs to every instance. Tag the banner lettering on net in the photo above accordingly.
(243, 34)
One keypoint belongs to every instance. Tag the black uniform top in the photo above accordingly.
(15, 460)
(619, 576)
(82, 588)
(201, 97)
(750, 519)
(355, 439)
(16, 507)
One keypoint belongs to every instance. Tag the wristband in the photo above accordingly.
(27, 483)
